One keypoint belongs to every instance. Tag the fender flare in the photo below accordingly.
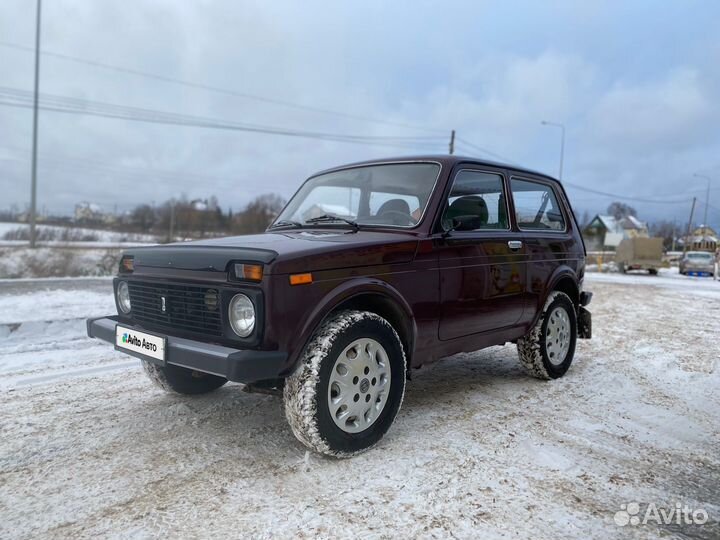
(561, 272)
(346, 291)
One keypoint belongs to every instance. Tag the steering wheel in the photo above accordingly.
(399, 217)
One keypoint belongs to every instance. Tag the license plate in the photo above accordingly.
(140, 343)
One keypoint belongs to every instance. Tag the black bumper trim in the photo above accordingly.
(585, 298)
(244, 366)
(584, 321)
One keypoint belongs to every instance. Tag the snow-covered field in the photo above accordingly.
(103, 238)
(90, 449)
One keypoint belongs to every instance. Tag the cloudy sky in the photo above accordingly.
(637, 83)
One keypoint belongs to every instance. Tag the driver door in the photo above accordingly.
(482, 266)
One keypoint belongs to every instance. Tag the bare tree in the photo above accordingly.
(620, 210)
(665, 230)
(258, 214)
(143, 217)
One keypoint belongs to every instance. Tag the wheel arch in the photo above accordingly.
(364, 295)
(564, 279)
(567, 283)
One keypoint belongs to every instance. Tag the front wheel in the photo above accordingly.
(349, 385)
(548, 350)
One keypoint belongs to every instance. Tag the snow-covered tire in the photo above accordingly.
(533, 348)
(178, 380)
(308, 392)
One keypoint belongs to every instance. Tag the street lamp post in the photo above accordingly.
(707, 196)
(562, 142)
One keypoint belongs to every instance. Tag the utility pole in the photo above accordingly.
(33, 180)
(687, 238)
(674, 234)
(562, 142)
(452, 142)
(707, 197)
(172, 221)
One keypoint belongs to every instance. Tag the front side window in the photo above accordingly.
(536, 206)
(476, 202)
(394, 194)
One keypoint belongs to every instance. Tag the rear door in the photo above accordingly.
(482, 271)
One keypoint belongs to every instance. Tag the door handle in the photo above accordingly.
(514, 244)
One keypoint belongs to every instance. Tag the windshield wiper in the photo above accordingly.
(327, 218)
(287, 223)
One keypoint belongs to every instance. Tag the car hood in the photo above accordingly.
(283, 252)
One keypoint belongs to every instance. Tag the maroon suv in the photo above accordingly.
(371, 270)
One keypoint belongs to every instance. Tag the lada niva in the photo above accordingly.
(371, 270)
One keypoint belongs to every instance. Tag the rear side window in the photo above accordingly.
(480, 196)
(536, 206)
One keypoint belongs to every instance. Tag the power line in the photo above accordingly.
(218, 90)
(624, 197)
(20, 98)
(83, 164)
(483, 150)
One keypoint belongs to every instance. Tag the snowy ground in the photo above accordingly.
(90, 449)
(104, 237)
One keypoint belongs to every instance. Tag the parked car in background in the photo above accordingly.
(697, 263)
(371, 270)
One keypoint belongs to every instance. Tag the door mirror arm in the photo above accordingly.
(462, 223)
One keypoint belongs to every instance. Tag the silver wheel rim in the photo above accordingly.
(557, 336)
(359, 385)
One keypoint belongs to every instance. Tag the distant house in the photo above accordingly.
(704, 238)
(605, 232)
(321, 209)
(86, 212)
(204, 205)
(634, 228)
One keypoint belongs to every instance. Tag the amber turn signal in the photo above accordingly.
(127, 264)
(300, 279)
(251, 272)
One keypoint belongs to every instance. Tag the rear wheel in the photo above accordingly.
(548, 350)
(653, 271)
(178, 380)
(349, 386)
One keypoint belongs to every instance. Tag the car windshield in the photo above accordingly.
(385, 195)
(704, 257)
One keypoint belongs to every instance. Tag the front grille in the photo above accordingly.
(186, 307)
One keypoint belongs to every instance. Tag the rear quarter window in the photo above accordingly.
(536, 206)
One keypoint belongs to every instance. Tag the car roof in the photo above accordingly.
(446, 160)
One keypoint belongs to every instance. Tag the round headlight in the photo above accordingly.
(242, 315)
(123, 297)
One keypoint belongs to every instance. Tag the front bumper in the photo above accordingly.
(244, 366)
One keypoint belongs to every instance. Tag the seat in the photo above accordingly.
(470, 205)
(396, 210)
(394, 205)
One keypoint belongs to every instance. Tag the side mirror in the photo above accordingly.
(463, 223)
